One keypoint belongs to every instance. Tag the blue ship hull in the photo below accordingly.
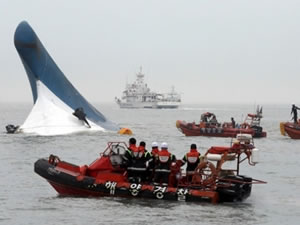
(40, 67)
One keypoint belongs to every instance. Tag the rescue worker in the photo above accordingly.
(145, 159)
(192, 158)
(127, 157)
(152, 161)
(155, 149)
(162, 168)
(79, 113)
(295, 113)
(137, 166)
(232, 122)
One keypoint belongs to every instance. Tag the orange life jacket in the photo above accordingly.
(192, 156)
(155, 151)
(141, 151)
(164, 156)
(135, 151)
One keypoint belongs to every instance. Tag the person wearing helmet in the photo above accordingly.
(152, 161)
(295, 113)
(192, 158)
(162, 168)
(155, 149)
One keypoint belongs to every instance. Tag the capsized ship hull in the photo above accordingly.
(54, 97)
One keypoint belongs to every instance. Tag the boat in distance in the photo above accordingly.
(210, 127)
(139, 95)
(291, 129)
(107, 176)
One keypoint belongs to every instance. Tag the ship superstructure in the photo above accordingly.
(139, 95)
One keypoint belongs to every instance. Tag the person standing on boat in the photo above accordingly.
(137, 167)
(162, 169)
(153, 160)
(144, 160)
(295, 113)
(232, 122)
(192, 158)
(127, 157)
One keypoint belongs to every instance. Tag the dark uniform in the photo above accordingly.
(232, 122)
(192, 158)
(295, 113)
(152, 161)
(137, 159)
(162, 169)
(79, 113)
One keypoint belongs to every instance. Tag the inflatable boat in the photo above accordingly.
(210, 127)
(106, 176)
(290, 129)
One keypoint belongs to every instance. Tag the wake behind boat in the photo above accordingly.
(58, 107)
(139, 95)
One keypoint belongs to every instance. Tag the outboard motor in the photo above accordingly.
(11, 129)
(79, 113)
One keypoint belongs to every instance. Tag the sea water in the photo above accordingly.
(26, 198)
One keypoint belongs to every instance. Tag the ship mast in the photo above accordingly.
(140, 76)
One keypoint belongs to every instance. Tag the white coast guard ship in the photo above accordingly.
(138, 95)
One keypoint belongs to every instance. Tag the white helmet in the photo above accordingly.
(154, 144)
(164, 145)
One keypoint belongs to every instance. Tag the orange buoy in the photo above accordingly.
(282, 129)
(125, 131)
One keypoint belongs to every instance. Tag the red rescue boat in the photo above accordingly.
(291, 129)
(106, 176)
(210, 127)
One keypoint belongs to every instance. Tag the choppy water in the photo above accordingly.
(26, 198)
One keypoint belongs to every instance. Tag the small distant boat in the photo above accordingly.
(291, 129)
(139, 95)
(210, 127)
(107, 176)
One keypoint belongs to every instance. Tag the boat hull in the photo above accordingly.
(147, 105)
(191, 129)
(68, 181)
(54, 96)
(291, 129)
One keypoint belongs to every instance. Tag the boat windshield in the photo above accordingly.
(116, 154)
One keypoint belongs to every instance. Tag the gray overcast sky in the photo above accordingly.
(212, 51)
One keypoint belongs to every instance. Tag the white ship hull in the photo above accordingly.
(149, 105)
(167, 105)
(139, 96)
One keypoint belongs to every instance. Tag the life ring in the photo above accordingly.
(53, 160)
(205, 174)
